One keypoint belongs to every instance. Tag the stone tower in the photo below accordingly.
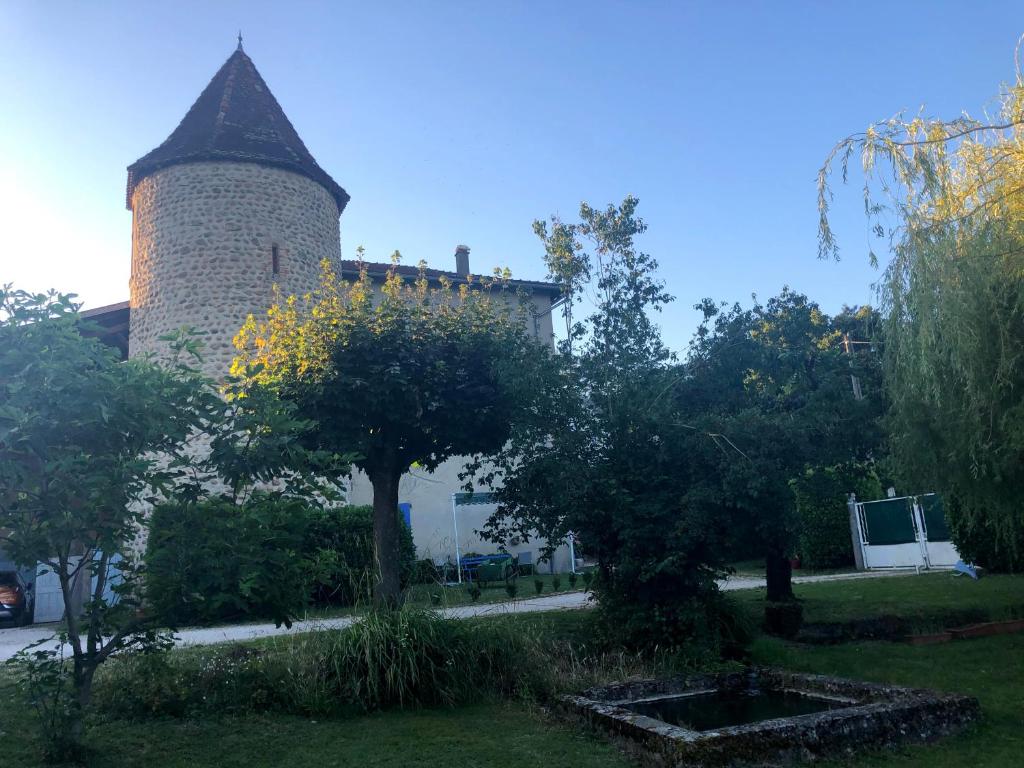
(229, 205)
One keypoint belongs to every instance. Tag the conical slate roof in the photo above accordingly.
(236, 118)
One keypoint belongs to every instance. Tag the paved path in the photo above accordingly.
(13, 640)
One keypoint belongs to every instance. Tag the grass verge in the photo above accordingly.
(992, 669)
(928, 602)
(488, 734)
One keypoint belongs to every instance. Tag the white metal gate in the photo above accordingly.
(49, 600)
(904, 532)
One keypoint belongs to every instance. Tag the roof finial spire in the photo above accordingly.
(239, 39)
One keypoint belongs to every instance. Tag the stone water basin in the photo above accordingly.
(764, 717)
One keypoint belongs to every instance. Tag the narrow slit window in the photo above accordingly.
(275, 260)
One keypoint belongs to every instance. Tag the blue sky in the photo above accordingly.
(454, 122)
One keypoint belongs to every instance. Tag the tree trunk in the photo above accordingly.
(387, 587)
(779, 577)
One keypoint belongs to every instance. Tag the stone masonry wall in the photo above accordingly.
(202, 242)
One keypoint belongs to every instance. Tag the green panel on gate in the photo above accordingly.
(934, 517)
(889, 522)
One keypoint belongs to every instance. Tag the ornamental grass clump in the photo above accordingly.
(404, 658)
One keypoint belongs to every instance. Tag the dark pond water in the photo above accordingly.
(721, 709)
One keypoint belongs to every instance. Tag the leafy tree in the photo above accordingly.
(87, 443)
(77, 430)
(772, 385)
(606, 456)
(401, 376)
(954, 309)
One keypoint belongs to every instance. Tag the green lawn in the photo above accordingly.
(928, 601)
(493, 734)
(452, 596)
(755, 569)
(494, 592)
(992, 669)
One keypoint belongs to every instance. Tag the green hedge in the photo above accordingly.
(824, 520)
(269, 558)
(340, 541)
(979, 540)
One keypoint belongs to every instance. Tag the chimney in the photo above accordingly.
(462, 260)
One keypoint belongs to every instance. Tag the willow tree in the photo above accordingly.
(953, 297)
(398, 375)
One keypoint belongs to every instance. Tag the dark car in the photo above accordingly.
(16, 604)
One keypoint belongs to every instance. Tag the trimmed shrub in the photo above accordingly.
(824, 520)
(340, 542)
(216, 561)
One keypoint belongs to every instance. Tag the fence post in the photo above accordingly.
(858, 549)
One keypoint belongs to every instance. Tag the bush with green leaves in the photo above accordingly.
(978, 538)
(426, 571)
(217, 560)
(340, 540)
(823, 518)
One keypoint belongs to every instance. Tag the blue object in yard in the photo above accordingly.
(471, 565)
(406, 509)
(962, 567)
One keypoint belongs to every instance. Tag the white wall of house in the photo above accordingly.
(430, 495)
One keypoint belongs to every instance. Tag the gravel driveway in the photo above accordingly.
(13, 640)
